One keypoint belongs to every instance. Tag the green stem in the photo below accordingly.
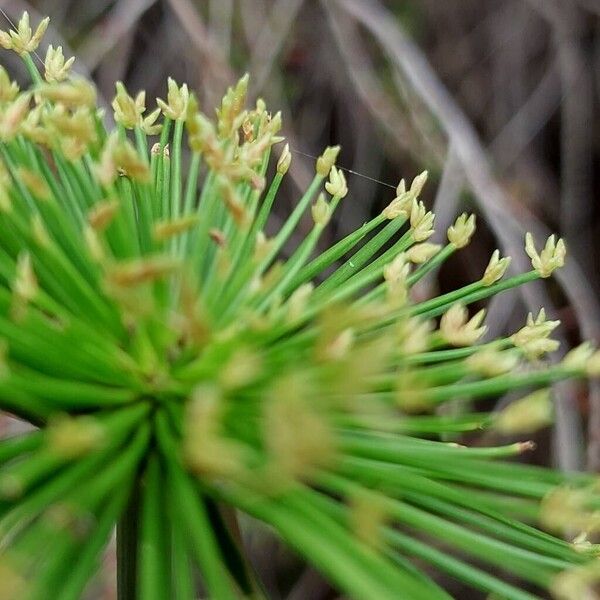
(127, 546)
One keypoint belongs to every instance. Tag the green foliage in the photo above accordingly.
(180, 371)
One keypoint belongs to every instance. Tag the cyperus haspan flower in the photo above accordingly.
(180, 367)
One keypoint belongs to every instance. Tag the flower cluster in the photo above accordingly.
(179, 362)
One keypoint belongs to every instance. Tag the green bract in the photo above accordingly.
(179, 369)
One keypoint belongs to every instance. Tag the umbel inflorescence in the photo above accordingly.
(181, 371)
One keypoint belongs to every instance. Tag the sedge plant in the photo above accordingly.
(181, 368)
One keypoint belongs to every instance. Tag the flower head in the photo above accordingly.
(460, 233)
(458, 330)
(421, 222)
(176, 106)
(176, 360)
(495, 269)
(534, 339)
(23, 39)
(55, 66)
(552, 257)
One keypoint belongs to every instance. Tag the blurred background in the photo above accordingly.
(498, 99)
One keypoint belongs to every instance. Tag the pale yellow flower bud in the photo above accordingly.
(321, 211)
(577, 583)
(119, 157)
(460, 233)
(71, 437)
(298, 300)
(397, 270)
(149, 125)
(336, 186)
(39, 231)
(139, 271)
(368, 517)
(230, 116)
(396, 274)
(458, 330)
(297, 437)
(56, 68)
(491, 363)
(417, 184)
(592, 367)
(421, 253)
(242, 368)
(93, 244)
(275, 124)
(534, 329)
(533, 339)
(23, 39)
(400, 206)
(8, 89)
(421, 222)
(25, 285)
(414, 335)
(73, 93)
(13, 116)
(205, 449)
(283, 164)
(578, 358)
(102, 213)
(525, 415)
(550, 258)
(128, 111)
(327, 160)
(178, 98)
(571, 509)
(166, 230)
(262, 247)
(35, 183)
(495, 269)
